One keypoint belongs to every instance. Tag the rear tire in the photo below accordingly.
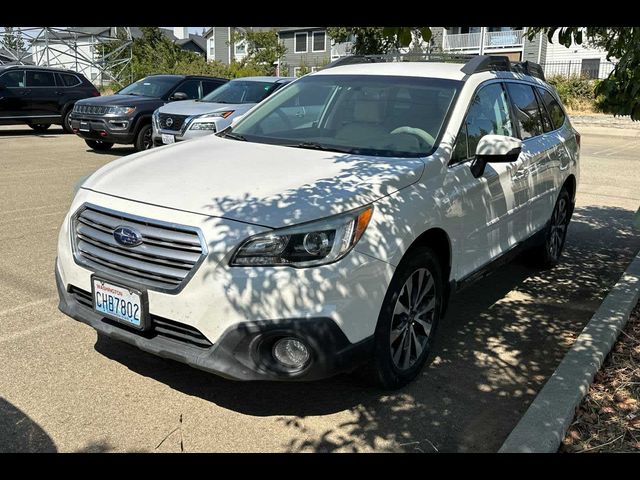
(40, 127)
(99, 145)
(548, 253)
(408, 321)
(66, 121)
(144, 140)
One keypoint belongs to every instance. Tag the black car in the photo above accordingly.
(125, 117)
(40, 96)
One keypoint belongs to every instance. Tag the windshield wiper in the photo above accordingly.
(319, 146)
(232, 135)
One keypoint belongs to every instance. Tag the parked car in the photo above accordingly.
(329, 226)
(180, 121)
(41, 96)
(125, 117)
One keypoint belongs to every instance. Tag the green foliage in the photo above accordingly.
(576, 92)
(378, 40)
(12, 40)
(264, 49)
(619, 93)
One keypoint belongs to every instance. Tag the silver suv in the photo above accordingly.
(214, 112)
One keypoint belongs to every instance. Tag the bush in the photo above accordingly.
(576, 92)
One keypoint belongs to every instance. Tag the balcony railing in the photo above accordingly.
(471, 41)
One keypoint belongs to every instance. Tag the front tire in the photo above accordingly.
(144, 140)
(99, 145)
(40, 127)
(408, 320)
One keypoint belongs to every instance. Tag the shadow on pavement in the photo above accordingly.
(18, 433)
(52, 132)
(500, 341)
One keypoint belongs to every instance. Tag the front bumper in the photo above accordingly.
(100, 128)
(242, 352)
(334, 308)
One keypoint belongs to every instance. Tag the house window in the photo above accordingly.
(590, 67)
(301, 42)
(319, 41)
(314, 69)
(212, 47)
(241, 48)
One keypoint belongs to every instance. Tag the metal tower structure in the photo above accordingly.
(85, 51)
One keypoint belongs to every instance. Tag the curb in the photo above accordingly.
(547, 419)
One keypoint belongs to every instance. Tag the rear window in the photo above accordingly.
(40, 79)
(553, 108)
(527, 111)
(69, 80)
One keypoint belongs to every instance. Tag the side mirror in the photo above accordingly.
(495, 148)
(178, 96)
(235, 120)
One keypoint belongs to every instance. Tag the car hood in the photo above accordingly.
(192, 107)
(118, 100)
(261, 184)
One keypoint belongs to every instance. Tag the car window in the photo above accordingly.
(69, 80)
(488, 114)
(547, 126)
(191, 88)
(240, 91)
(526, 109)
(13, 79)
(553, 107)
(40, 79)
(209, 86)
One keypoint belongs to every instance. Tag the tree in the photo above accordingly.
(264, 49)
(12, 40)
(620, 91)
(378, 40)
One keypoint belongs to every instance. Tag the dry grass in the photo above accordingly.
(608, 419)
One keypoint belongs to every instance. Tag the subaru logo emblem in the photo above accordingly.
(169, 121)
(127, 236)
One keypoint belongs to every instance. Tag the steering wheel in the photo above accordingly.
(285, 119)
(423, 137)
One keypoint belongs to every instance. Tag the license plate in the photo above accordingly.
(167, 139)
(84, 126)
(118, 302)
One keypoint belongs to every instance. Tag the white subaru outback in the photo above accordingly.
(328, 227)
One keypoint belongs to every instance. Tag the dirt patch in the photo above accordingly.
(608, 419)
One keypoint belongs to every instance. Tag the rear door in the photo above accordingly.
(43, 97)
(13, 100)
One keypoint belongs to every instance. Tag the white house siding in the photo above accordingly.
(570, 61)
(64, 56)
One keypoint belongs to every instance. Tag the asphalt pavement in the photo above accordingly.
(64, 389)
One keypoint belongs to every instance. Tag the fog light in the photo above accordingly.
(291, 352)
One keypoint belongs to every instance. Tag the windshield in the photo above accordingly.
(364, 114)
(240, 91)
(151, 86)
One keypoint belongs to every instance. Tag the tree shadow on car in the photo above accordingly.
(501, 340)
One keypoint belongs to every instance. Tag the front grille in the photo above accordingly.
(164, 260)
(159, 326)
(169, 121)
(90, 109)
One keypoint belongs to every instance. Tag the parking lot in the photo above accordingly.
(64, 389)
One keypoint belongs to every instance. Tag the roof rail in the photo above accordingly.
(529, 68)
(486, 63)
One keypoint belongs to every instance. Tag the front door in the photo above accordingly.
(486, 211)
(12, 95)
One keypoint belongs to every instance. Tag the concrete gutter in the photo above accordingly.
(545, 423)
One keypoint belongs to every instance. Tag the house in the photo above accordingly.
(513, 42)
(307, 47)
(75, 47)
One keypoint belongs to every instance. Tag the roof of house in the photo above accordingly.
(198, 40)
(7, 57)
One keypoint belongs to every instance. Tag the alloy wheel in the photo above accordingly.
(412, 319)
(558, 228)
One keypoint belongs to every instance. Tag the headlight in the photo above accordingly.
(203, 126)
(307, 245)
(224, 114)
(118, 111)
